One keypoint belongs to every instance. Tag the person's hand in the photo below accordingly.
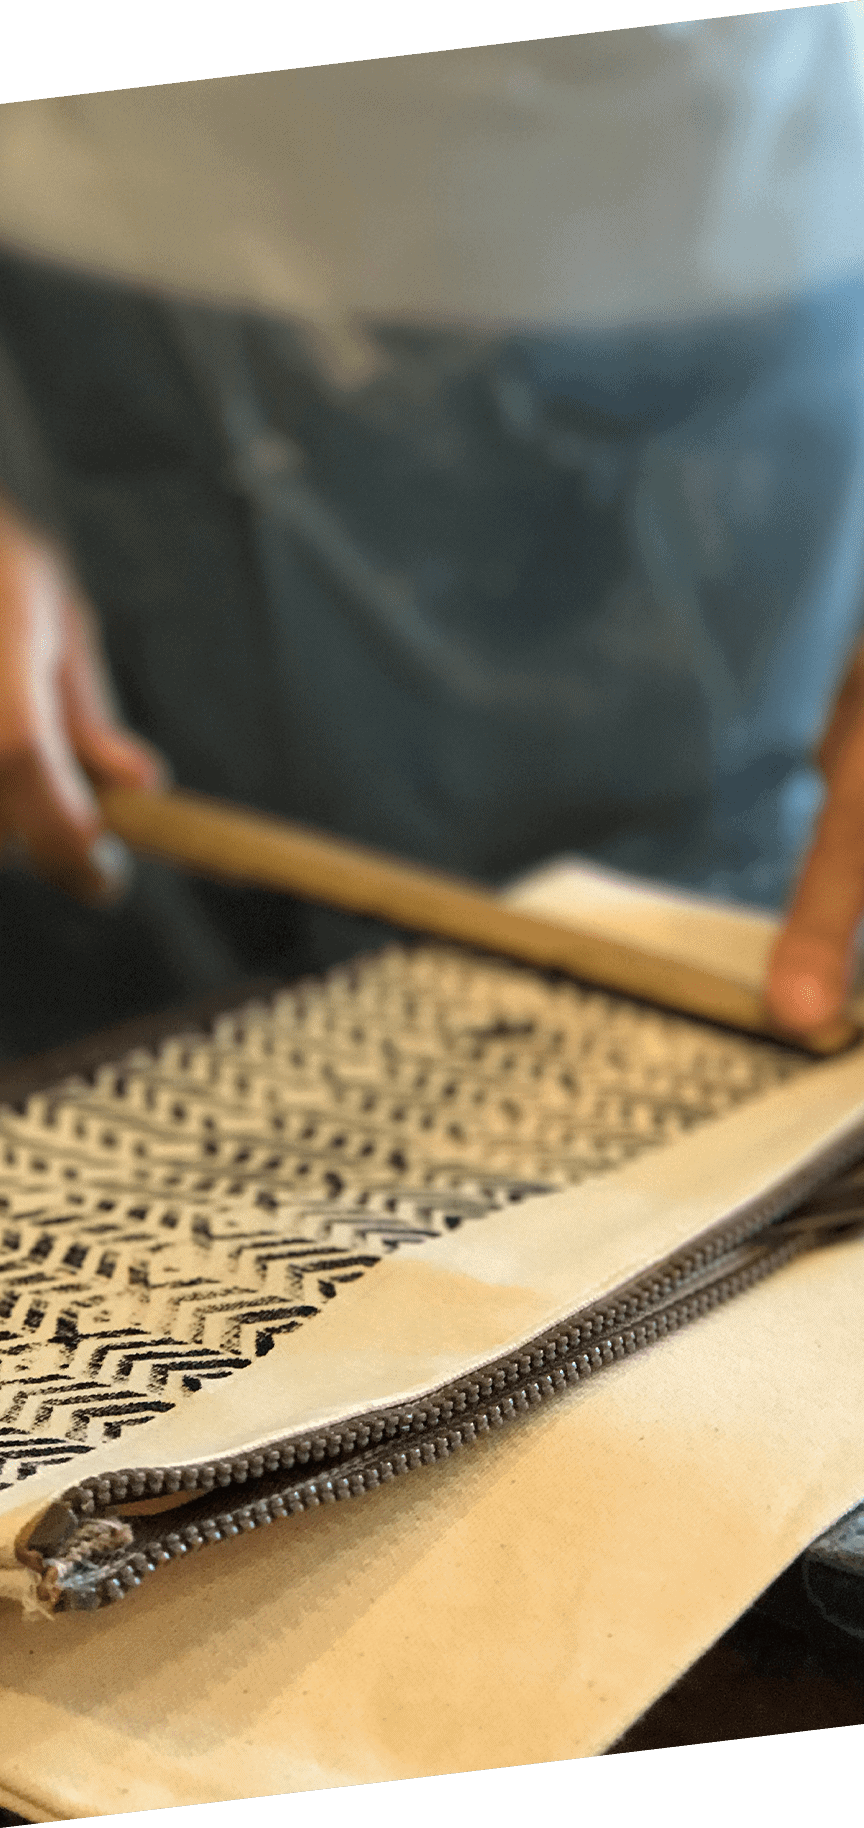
(57, 731)
(812, 962)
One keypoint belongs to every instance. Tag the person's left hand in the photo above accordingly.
(812, 962)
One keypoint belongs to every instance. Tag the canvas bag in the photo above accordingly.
(621, 1527)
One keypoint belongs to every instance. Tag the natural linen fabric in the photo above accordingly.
(529, 1598)
(525, 1602)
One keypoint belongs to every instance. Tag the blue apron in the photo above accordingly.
(505, 598)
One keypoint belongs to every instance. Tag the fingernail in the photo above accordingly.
(111, 860)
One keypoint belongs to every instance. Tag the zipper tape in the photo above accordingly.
(98, 1540)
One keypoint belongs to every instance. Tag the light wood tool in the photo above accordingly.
(215, 839)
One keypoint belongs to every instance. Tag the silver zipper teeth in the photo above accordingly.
(370, 1450)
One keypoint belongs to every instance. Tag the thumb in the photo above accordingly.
(108, 753)
(811, 966)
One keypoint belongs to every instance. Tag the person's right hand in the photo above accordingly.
(57, 731)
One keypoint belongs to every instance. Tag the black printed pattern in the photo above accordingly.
(181, 1214)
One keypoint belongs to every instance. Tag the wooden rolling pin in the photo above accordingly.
(215, 839)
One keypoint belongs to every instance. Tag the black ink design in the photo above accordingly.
(183, 1213)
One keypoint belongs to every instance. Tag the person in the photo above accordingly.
(463, 452)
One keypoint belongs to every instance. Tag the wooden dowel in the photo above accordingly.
(215, 839)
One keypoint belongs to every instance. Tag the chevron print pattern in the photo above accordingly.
(182, 1212)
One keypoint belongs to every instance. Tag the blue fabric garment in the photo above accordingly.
(552, 595)
(500, 598)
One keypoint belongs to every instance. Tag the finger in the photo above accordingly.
(848, 710)
(47, 806)
(82, 860)
(110, 755)
(811, 966)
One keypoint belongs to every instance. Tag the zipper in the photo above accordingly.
(98, 1541)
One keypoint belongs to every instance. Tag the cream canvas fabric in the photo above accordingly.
(175, 1291)
(527, 1599)
(524, 1603)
